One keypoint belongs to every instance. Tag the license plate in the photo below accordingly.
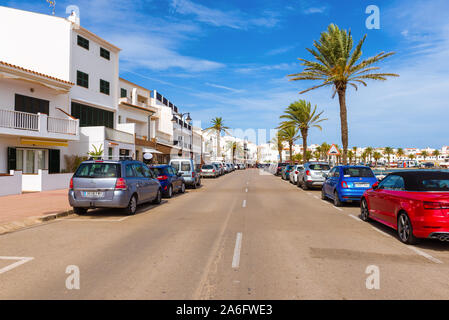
(91, 194)
(362, 185)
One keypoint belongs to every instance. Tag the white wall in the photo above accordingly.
(45, 182)
(35, 41)
(12, 184)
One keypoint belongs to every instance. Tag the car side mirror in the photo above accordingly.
(179, 174)
(325, 175)
(376, 186)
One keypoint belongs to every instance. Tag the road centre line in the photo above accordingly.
(21, 260)
(237, 249)
(425, 255)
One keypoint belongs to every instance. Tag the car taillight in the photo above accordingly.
(71, 184)
(432, 205)
(296, 172)
(120, 184)
(344, 185)
(308, 173)
(213, 171)
(162, 177)
(193, 174)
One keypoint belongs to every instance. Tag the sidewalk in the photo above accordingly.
(19, 211)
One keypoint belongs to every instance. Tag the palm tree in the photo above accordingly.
(424, 154)
(235, 147)
(400, 153)
(300, 114)
(218, 127)
(377, 156)
(411, 156)
(290, 135)
(338, 65)
(317, 155)
(309, 155)
(436, 154)
(388, 152)
(324, 149)
(369, 152)
(354, 149)
(278, 142)
(363, 156)
(350, 155)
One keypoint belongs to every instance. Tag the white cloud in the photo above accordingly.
(223, 87)
(280, 50)
(313, 10)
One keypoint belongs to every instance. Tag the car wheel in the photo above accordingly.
(80, 211)
(337, 201)
(183, 188)
(194, 186)
(405, 230)
(323, 194)
(158, 198)
(169, 192)
(132, 206)
(304, 185)
(364, 211)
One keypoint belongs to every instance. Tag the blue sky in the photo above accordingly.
(230, 59)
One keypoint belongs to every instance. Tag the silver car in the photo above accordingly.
(113, 184)
(209, 170)
(190, 172)
(313, 175)
(297, 169)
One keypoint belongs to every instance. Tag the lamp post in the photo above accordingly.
(188, 120)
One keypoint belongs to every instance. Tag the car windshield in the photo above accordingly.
(358, 173)
(158, 171)
(98, 170)
(208, 167)
(185, 166)
(319, 167)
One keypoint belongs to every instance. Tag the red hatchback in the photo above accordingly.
(415, 203)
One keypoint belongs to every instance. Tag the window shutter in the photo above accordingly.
(12, 157)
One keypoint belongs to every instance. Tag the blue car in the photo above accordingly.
(171, 181)
(347, 183)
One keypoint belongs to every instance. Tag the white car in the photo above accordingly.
(294, 174)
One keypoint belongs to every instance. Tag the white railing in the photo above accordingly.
(64, 126)
(19, 120)
(120, 136)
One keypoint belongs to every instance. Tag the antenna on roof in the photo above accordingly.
(52, 5)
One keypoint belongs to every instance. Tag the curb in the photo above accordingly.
(13, 226)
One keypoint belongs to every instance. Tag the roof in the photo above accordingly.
(34, 72)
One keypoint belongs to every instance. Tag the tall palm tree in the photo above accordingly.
(424, 154)
(377, 156)
(278, 142)
(411, 156)
(369, 152)
(400, 153)
(354, 149)
(436, 154)
(388, 151)
(301, 115)
(324, 149)
(317, 155)
(235, 147)
(290, 135)
(338, 65)
(350, 156)
(218, 127)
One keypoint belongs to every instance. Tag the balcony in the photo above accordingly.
(39, 125)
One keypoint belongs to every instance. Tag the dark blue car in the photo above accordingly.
(347, 183)
(171, 182)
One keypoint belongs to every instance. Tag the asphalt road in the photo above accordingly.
(246, 235)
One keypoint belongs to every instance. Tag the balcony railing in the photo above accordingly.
(116, 135)
(19, 120)
(64, 126)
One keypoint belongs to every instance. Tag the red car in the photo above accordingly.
(415, 203)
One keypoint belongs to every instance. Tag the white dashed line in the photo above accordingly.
(381, 232)
(316, 197)
(355, 218)
(237, 248)
(21, 260)
(244, 204)
(425, 255)
(246, 190)
(337, 208)
(309, 194)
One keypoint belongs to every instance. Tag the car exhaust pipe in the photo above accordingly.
(443, 237)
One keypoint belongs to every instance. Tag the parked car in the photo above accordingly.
(285, 174)
(221, 170)
(279, 168)
(415, 203)
(113, 184)
(209, 170)
(170, 179)
(294, 174)
(428, 165)
(313, 174)
(190, 172)
(229, 166)
(347, 183)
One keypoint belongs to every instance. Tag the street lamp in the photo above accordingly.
(188, 120)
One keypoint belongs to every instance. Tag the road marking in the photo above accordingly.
(309, 194)
(99, 220)
(381, 232)
(356, 218)
(246, 190)
(425, 255)
(316, 197)
(21, 260)
(244, 204)
(237, 248)
(337, 208)
(324, 201)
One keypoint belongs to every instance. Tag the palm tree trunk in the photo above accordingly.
(344, 121)
(290, 145)
(280, 155)
(218, 144)
(304, 145)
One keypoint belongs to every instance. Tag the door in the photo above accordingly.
(54, 161)
(378, 204)
(333, 181)
(143, 183)
(392, 199)
(12, 158)
(151, 184)
(133, 181)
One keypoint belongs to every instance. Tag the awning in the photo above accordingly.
(43, 142)
(148, 150)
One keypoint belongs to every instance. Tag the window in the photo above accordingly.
(82, 79)
(138, 169)
(31, 105)
(90, 116)
(123, 93)
(104, 86)
(185, 166)
(130, 171)
(98, 170)
(83, 42)
(319, 167)
(358, 173)
(105, 54)
(392, 183)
